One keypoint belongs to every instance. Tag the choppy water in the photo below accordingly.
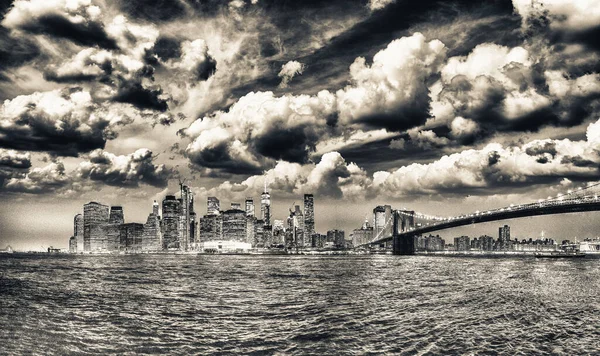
(297, 305)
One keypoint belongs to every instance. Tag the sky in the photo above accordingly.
(443, 107)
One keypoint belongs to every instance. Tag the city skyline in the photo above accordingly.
(437, 107)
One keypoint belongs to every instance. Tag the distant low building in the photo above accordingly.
(462, 243)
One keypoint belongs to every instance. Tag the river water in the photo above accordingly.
(379, 304)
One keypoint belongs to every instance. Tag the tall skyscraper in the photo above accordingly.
(78, 232)
(382, 223)
(234, 225)
(95, 215)
(155, 209)
(171, 212)
(213, 206)
(186, 208)
(309, 219)
(116, 215)
(151, 235)
(249, 207)
(298, 221)
(210, 228)
(504, 233)
(265, 206)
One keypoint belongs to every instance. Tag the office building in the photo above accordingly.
(382, 221)
(278, 232)
(116, 215)
(213, 206)
(72, 244)
(210, 228)
(309, 220)
(462, 243)
(171, 208)
(131, 235)
(234, 225)
(78, 232)
(336, 237)
(95, 215)
(151, 234)
(363, 235)
(155, 209)
(250, 207)
(486, 243)
(265, 206)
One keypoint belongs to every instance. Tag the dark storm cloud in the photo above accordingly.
(85, 34)
(144, 98)
(65, 122)
(14, 159)
(124, 171)
(14, 51)
(220, 157)
(167, 48)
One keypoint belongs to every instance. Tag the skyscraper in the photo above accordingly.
(249, 207)
(210, 228)
(186, 208)
(265, 206)
(116, 215)
(78, 232)
(299, 227)
(504, 233)
(234, 225)
(151, 235)
(155, 209)
(95, 215)
(171, 212)
(309, 219)
(213, 206)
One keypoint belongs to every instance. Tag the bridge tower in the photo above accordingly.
(402, 245)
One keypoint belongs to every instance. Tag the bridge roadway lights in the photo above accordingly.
(403, 244)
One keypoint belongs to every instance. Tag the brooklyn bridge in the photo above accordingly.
(404, 231)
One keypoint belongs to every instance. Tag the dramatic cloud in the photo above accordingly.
(39, 180)
(379, 4)
(258, 129)
(14, 159)
(393, 92)
(124, 171)
(331, 177)
(289, 71)
(493, 167)
(78, 21)
(568, 15)
(197, 60)
(64, 122)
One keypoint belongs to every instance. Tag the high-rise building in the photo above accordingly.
(234, 225)
(382, 221)
(462, 243)
(151, 234)
(131, 236)
(486, 243)
(116, 215)
(259, 234)
(78, 232)
(504, 233)
(213, 206)
(337, 238)
(171, 221)
(363, 235)
(278, 232)
(112, 235)
(210, 228)
(186, 208)
(155, 209)
(309, 219)
(265, 206)
(250, 207)
(251, 222)
(298, 221)
(72, 244)
(95, 215)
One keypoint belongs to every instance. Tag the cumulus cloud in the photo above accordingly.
(79, 21)
(64, 122)
(570, 15)
(197, 59)
(393, 92)
(495, 166)
(39, 180)
(331, 177)
(124, 170)
(289, 71)
(259, 129)
(14, 159)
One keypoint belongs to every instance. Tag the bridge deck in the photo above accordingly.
(521, 211)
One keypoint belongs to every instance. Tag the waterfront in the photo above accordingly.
(180, 304)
